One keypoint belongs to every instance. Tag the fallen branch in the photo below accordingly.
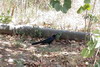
(41, 32)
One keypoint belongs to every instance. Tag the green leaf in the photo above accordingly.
(64, 10)
(91, 53)
(83, 8)
(97, 64)
(87, 1)
(57, 6)
(96, 31)
(87, 7)
(53, 2)
(98, 45)
(67, 3)
(87, 53)
(91, 45)
(66, 6)
(80, 10)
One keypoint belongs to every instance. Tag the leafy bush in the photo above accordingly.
(5, 18)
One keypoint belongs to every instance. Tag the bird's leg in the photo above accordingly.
(49, 45)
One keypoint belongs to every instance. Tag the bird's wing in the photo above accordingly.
(50, 39)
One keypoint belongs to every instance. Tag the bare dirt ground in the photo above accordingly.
(17, 51)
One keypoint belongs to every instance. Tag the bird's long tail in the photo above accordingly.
(36, 43)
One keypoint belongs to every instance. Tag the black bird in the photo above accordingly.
(46, 41)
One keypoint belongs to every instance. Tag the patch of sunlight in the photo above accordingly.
(9, 50)
(10, 61)
(68, 53)
(6, 42)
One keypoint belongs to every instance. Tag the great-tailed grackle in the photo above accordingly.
(46, 41)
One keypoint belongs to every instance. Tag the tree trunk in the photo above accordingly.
(41, 32)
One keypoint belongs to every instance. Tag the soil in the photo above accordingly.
(17, 51)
